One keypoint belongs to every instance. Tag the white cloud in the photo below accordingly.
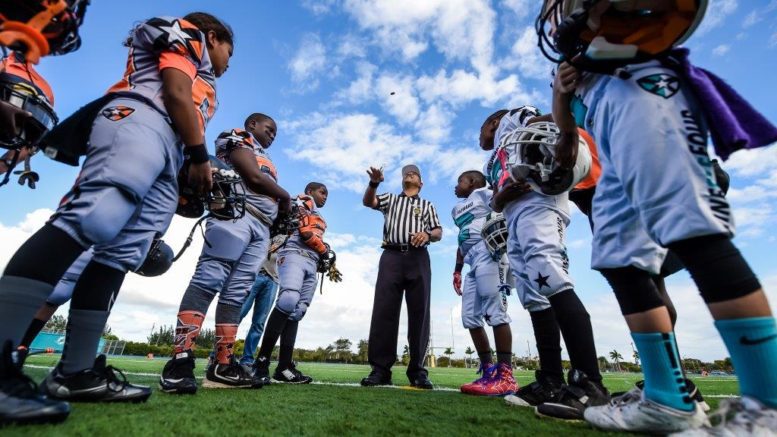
(396, 95)
(527, 58)
(319, 7)
(721, 49)
(752, 18)
(521, 8)
(309, 60)
(773, 40)
(717, 12)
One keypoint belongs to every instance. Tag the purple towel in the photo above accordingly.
(734, 124)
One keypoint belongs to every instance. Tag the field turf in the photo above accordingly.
(335, 405)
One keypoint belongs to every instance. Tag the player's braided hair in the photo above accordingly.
(496, 115)
(477, 177)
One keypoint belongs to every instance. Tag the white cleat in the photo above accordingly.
(631, 412)
(738, 417)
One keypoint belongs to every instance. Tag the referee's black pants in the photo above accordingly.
(399, 272)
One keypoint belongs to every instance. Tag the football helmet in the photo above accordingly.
(40, 27)
(494, 233)
(326, 260)
(602, 35)
(23, 94)
(531, 157)
(158, 261)
(225, 201)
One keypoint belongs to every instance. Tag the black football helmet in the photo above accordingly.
(158, 260)
(225, 201)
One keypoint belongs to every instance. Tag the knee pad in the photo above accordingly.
(634, 288)
(717, 267)
(287, 301)
(106, 217)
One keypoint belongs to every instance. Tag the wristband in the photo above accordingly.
(458, 268)
(197, 154)
(374, 184)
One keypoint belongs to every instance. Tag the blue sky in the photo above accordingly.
(326, 72)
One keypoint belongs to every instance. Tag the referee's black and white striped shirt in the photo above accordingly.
(405, 216)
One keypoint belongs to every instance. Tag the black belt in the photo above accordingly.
(402, 247)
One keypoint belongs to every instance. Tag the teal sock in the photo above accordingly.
(664, 380)
(752, 343)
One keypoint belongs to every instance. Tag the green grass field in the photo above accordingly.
(334, 405)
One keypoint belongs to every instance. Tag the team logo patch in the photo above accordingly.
(662, 84)
(116, 113)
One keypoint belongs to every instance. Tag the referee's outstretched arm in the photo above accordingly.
(376, 177)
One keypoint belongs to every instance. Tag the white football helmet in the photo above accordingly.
(531, 156)
(494, 233)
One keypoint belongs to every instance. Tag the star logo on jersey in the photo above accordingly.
(116, 113)
(175, 34)
(542, 281)
(663, 85)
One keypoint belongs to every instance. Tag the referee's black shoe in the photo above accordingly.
(376, 378)
(20, 400)
(422, 381)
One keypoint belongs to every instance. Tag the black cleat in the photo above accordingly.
(101, 383)
(231, 375)
(291, 375)
(375, 379)
(178, 375)
(422, 381)
(261, 371)
(574, 398)
(545, 388)
(20, 400)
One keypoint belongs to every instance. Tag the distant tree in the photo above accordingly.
(406, 355)
(636, 357)
(603, 363)
(616, 357)
(448, 352)
(57, 323)
(164, 336)
(342, 347)
(469, 353)
(362, 349)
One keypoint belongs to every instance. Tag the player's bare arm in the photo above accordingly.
(510, 191)
(177, 95)
(376, 177)
(244, 162)
(563, 88)
(457, 272)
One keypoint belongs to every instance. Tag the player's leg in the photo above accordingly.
(228, 241)
(492, 292)
(472, 319)
(291, 274)
(547, 335)
(225, 370)
(540, 231)
(286, 371)
(62, 293)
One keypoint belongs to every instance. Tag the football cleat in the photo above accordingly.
(487, 372)
(261, 371)
(574, 398)
(291, 375)
(631, 412)
(501, 384)
(545, 388)
(20, 400)
(693, 392)
(178, 374)
(101, 383)
(231, 375)
(744, 416)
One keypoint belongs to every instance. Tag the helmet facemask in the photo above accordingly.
(26, 97)
(494, 233)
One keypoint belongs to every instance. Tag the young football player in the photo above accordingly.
(228, 264)
(483, 295)
(538, 258)
(299, 259)
(659, 187)
(134, 140)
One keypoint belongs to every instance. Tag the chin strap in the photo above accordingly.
(191, 237)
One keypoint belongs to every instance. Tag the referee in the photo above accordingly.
(411, 223)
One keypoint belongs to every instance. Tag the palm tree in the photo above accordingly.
(616, 356)
(469, 352)
(448, 352)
